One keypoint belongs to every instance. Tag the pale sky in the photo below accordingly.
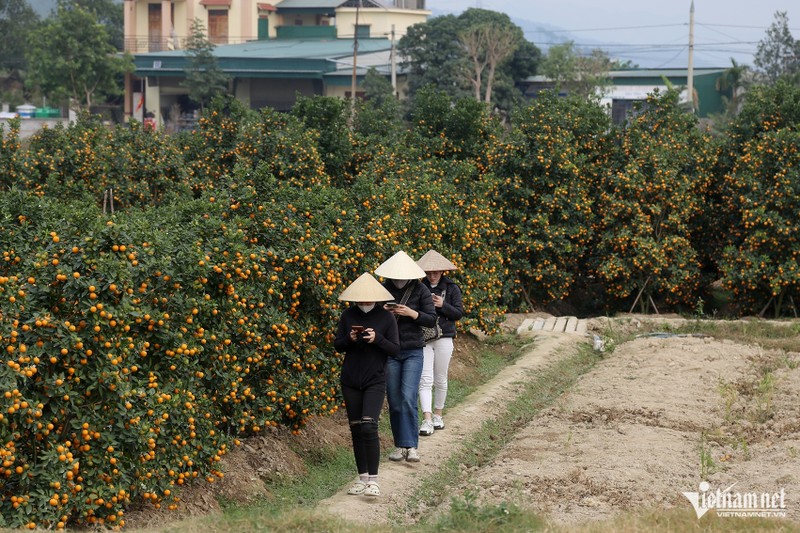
(651, 33)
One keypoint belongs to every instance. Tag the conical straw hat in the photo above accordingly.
(433, 260)
(400, 266)
(366, 289)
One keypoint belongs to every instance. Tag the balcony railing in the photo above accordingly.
(143, 44)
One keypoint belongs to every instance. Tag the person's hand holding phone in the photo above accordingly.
(400, 310)
(356, 332)
(438, 300)
(368, 335)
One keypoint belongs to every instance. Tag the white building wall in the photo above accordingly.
(634, 92)
(380, 21)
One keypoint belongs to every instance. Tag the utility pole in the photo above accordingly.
(690, 76)
(355, 58)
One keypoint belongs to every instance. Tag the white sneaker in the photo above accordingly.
(412, 456)
(426, 428)
(398, 454)
(438, 422)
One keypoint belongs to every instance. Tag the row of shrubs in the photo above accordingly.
(141, 344)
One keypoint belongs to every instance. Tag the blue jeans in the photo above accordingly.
(402, 387)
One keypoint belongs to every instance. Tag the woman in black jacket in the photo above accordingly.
(367, 334)
(449, 306)
(413, 308)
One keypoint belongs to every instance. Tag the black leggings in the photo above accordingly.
(363, 409)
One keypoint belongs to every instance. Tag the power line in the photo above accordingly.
(649, 45)
(608, 29)
(716, 31)
(740, 26)
(673, 58)
(650, 26)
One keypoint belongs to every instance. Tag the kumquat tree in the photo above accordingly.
(546, 173)
(648, 202)
(441, 204)
(761, 202)
(11, 167)
(87, 161)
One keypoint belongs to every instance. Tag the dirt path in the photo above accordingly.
(652, 420)
(399, 480)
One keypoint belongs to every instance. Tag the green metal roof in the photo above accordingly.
(310, 4)
(646, 73)
(322, 7)
(325, 4)
(274, 58)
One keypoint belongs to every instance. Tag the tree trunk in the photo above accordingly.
(489, 82)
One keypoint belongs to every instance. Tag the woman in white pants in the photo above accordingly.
(447, 301)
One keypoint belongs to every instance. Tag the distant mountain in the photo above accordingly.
(545, 35)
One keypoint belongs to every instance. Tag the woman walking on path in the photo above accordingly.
(413, 308)
(449, 306)
(367, 334)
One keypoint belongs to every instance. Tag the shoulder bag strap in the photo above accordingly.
(407, 294)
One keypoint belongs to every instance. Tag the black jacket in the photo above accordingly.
(453, 307)
(365, 362)
(420, 301)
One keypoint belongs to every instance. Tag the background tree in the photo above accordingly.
(523, 63)
(560, 65)
(475, 40)
(574, 73)
(733, 83)
(17, 20)
(108, 13)
(204, 78)
(778, 53)
(472, 54)
(72, 59)
(487, 45)
(378, 119)
(593, 73)
(433, 56)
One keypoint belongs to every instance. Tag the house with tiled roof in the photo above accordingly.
(270, 50)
